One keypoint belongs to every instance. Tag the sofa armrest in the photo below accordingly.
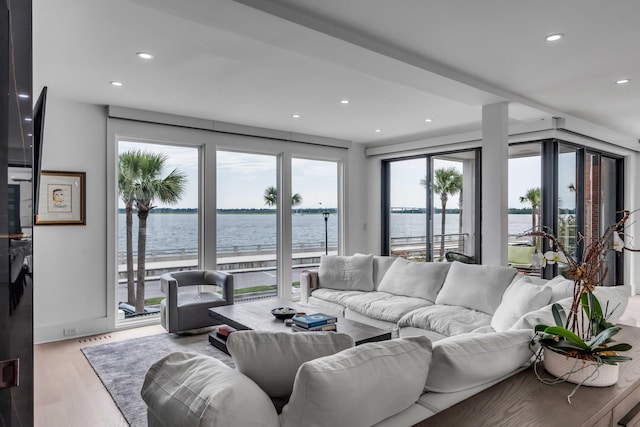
(225, 281)
(308, 283)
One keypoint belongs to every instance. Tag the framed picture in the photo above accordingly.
(62, 198)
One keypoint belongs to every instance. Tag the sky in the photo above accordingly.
(242, 179)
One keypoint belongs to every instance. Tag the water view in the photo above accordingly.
(177, 234)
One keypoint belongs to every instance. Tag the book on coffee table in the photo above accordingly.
(313, 320)
(331, 327)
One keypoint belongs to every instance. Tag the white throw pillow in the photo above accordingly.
(469, 360)
(519, 298)
(414, 279)
(272, 359)
(346, 273)
(360, 386)
(479, 287)
(561, 288)
(185, 389)
(613, 299)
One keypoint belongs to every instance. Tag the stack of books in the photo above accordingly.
(314, 322)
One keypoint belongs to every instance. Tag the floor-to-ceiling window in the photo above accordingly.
(157, 221)
(314, 213)
(571, 191)
(430, 206)
(230, 215)
(246, 221)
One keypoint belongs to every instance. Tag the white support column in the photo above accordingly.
(495, 196)
(284, 227)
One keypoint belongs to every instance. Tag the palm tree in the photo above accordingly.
(447, 182)
(533, 197)
(148, 186)
(127, 171)
(271, 197)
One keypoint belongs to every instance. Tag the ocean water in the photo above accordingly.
(178, 233)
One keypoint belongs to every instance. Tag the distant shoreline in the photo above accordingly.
(512, 211)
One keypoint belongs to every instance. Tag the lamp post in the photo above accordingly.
(325, 214)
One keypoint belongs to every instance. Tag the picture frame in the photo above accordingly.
(61, 198)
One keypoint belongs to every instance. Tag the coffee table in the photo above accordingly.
(257, 316)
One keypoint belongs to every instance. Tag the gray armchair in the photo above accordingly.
(189, 297)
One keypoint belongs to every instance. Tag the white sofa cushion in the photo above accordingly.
(360, 386)
(479, 287)
(609, 298)
(384, 306)
(348, 273)
(445, 319)
(561, 288)
(184, 389)
(469, 360)
(414, 279)
(335, 295)
(381, 265)
(521, 297)
(271, 359)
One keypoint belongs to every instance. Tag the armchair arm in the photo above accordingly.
(308, 283)
(224, 280)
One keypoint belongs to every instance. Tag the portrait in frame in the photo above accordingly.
(62, 198)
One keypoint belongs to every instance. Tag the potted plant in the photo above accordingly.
(580, 348)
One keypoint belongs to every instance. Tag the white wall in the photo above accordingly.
(71, 263)
(69, 260)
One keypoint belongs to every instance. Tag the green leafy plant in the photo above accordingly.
(601, 348)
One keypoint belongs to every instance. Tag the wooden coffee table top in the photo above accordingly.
(257, 316)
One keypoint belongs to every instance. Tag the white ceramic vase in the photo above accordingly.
(578, 371)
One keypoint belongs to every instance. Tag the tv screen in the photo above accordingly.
(38, 138)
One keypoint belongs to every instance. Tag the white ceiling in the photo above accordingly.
(398, 62)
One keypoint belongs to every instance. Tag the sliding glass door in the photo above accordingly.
(157, 222)
(314, 214)
(247, 222)
(431, 206)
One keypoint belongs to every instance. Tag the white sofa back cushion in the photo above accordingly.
(414, 279)
(469, 360)
(184, 389)
(561, 288)
(346, 273)
(521, 297)
(479, 287)
(613, 300)
(360, 386)
(271, 359)
(381, 265)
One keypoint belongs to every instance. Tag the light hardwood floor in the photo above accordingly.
(68, 393)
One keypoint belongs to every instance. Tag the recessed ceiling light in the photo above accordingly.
(23, 95)
(295, 116)
(344, 101)
(115, 83)
(428, 120)
(144, 55)
(27, 119)
(378, 130)
(622, 81)
(554, 37)
(29, 134)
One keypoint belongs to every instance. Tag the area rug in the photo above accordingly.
(122, 365)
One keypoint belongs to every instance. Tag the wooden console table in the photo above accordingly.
(522, 400)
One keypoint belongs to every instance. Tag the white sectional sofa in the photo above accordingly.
(459, 329)
(413, 298)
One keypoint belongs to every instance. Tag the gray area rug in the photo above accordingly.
(122, 366)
